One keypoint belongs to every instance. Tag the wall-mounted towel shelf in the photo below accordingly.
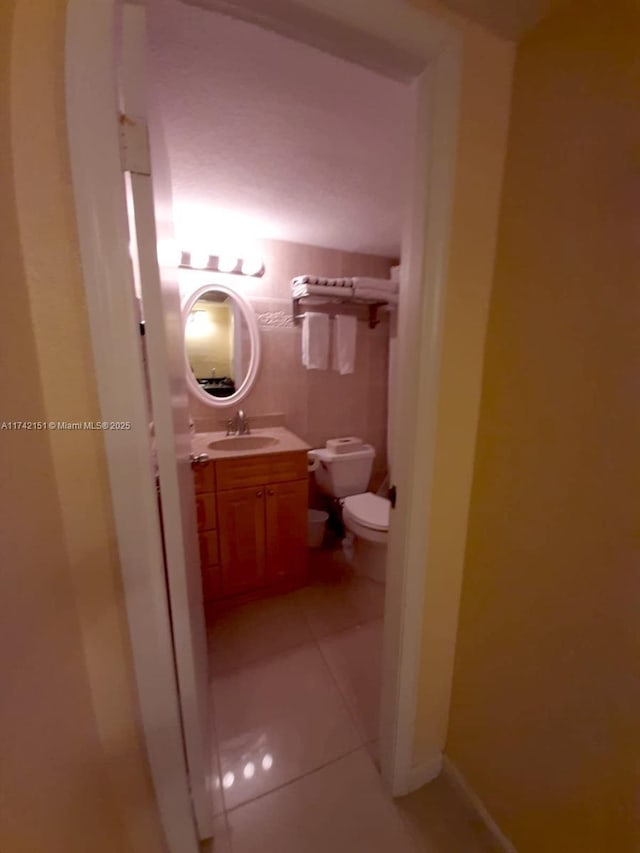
(336, 305)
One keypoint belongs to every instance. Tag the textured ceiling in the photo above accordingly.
(276, 138)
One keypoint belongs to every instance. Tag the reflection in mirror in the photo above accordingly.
(218, 343)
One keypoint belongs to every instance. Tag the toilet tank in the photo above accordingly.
(342, 474)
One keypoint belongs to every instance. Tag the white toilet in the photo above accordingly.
(343, 471)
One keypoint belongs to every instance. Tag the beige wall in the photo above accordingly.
(316, 404)
(73, 773)
(546, 699)
(483, 122)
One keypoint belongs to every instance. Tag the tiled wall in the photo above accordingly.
(316, 404)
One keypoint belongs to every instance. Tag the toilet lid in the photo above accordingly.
(369, 510)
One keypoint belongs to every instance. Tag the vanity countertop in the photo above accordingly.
(286, 442)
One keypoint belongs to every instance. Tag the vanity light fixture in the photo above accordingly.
(199, 260)
(251, 266)
(169, 255)
(227, 263)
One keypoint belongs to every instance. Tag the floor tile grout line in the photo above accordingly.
(293, 781)
(314, 639)
(357, 730)
(352, 716)
(304, 614)
(359, 624)
(259, 661)
(355, 721)
(311, 640)
(217, 761)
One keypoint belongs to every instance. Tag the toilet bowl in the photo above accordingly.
(343, 471)
(366, 518)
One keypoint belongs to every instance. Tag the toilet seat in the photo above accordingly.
(367, 515)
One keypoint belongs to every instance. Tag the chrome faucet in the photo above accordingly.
(238, 424)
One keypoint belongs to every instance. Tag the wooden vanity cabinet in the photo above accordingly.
(260, 524)
(242, 543)
(286, 530)
(207, 518)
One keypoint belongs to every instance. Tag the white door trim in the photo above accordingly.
(98, 185)
(433, 59)
(148, 181)
(414, 410)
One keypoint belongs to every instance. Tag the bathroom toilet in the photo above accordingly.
(366, 516)
(343, 471)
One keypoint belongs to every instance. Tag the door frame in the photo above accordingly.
(103, 231)
(402, 42)
(150, 204)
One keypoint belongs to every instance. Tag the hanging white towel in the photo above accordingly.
(344, 344)
(315, 341)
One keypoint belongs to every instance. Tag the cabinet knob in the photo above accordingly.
(259, 494)
(271, 492)
(200, 459)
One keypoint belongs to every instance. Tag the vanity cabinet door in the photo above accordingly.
(241, 526)
(208, 541)
(204, 477)
(206, 511)
(286, 511)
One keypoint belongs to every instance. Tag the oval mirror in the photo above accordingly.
(222, 345)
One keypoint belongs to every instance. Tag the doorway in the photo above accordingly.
(414, 52)
(298, 160)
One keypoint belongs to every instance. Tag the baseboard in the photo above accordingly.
(423, 773)
(458, 781)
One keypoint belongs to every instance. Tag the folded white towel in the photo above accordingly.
(320, 282)
(299, 290)
(344, 343)
(315, 341)
(385, 284)
(375, 294)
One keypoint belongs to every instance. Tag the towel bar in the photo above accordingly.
(338, 306)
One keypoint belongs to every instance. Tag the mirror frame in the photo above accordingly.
(254, 361)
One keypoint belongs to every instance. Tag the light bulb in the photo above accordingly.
(227, 263)
(169, 255)
(267, 762)
(249, 770)
(227, 780)
(251, 265)
(199, 259)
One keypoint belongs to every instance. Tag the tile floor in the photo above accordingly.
(295, 691)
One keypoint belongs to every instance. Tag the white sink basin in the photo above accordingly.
(243, 442)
